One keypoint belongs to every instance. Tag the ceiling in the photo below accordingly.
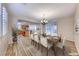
(37, 11)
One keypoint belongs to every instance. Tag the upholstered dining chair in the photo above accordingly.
(44, 43)
(36, 40)
(61, 45)
(32, 38)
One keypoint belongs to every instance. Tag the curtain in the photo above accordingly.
(4, 21)
(0, 19)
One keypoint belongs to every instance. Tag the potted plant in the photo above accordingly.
(14, 34)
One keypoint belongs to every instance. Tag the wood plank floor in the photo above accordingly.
(30, 50)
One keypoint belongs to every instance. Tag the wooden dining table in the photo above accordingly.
(54, 40)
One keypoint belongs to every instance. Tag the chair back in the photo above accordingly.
(43, 41)
(36, 38)
(61, 43)
(31, 36)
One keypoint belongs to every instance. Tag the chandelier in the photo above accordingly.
(44, 21)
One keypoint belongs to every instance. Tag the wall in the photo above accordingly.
(76, 35)
(66, 28)
(10, 25)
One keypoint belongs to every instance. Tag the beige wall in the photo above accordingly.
(76, 35)
(10, 25)
(66, 28)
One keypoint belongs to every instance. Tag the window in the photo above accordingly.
(51, 29)
(33, 27)
(0, 19)
(4, 21)
(19, 25)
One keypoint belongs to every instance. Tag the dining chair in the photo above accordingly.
(36, 40)
(44, 43)
(61, 45)
(32, 38)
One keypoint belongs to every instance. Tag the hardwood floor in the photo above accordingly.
(70, 48)
(29, 50)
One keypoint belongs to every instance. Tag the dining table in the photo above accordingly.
(54, 40)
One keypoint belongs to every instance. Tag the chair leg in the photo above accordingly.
(41, 48)
(31, 41)
(47, 51)
(63, 50)
(34, 43)
(38, 46)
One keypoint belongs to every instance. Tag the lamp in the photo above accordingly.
(44, 21)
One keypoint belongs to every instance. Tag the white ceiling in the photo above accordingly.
(36, 11)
